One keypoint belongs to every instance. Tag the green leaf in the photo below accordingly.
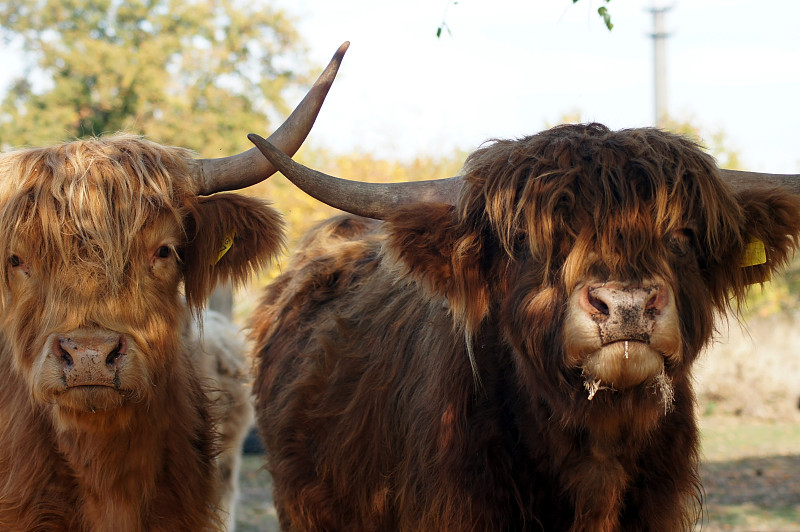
(603, 12)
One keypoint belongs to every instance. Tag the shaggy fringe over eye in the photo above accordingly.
(612, 197)
(88, 200)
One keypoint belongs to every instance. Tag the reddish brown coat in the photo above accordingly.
(373, 415)
(99, 235)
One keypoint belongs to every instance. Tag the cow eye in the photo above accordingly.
(162, 257)
(163, 252)
(681, 241)
(18, 265)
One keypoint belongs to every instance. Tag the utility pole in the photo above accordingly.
(659, 36)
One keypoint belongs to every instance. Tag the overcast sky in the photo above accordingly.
(511, 67)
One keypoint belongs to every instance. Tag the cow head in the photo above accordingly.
(99, 237)
(602, 256)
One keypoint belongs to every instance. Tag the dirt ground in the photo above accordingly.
(751, 474)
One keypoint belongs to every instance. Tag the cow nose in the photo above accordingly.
(603, 301)
(90, 359)
(624, 312)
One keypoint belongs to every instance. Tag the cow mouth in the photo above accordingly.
(86, 387)
(92, 398)
(623, 364)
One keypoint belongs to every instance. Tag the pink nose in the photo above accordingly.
(624, 312)
(90, 359)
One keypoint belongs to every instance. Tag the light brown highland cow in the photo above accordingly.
(114, 414)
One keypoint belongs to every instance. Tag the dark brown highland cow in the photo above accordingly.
(519, 359)
(108, 395)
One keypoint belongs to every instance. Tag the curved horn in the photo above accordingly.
(372, 200)
(741, 180)
(249, 167)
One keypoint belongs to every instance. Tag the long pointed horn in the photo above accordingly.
(250, 167)
(739, 180)
(372, 200)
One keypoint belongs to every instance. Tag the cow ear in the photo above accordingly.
(229, 237)
(430, 247)
(770, 230)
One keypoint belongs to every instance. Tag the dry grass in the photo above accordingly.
(753, 369)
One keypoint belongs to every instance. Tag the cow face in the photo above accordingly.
(100, 236)
(602, 255)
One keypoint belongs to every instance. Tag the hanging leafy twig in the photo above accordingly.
(602, 11)
(443, 25)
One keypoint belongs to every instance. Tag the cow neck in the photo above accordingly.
(124, 468)
(36, 476)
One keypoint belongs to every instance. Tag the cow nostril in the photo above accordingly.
(598, 304)
(66, 359)
(655, 302)
(115, 353)
(62, 353)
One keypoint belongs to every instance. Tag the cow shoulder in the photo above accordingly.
(327, 263)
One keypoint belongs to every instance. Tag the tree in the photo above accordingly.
(185, 72)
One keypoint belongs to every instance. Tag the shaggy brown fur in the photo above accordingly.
(413, 374)
(98, 237)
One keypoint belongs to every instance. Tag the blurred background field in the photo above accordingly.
(751, 474)
(748, 393)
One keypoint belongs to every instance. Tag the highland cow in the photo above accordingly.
(517, 354)
(115, 414)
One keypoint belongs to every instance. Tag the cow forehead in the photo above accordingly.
(119, 167)
(637, 185)
(91, 201)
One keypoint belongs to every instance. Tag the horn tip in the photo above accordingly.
(339, 55)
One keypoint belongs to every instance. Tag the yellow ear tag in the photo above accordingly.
(227, 242)
(754, 254)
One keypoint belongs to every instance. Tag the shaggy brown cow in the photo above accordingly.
(519, 360)
(106, 402)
